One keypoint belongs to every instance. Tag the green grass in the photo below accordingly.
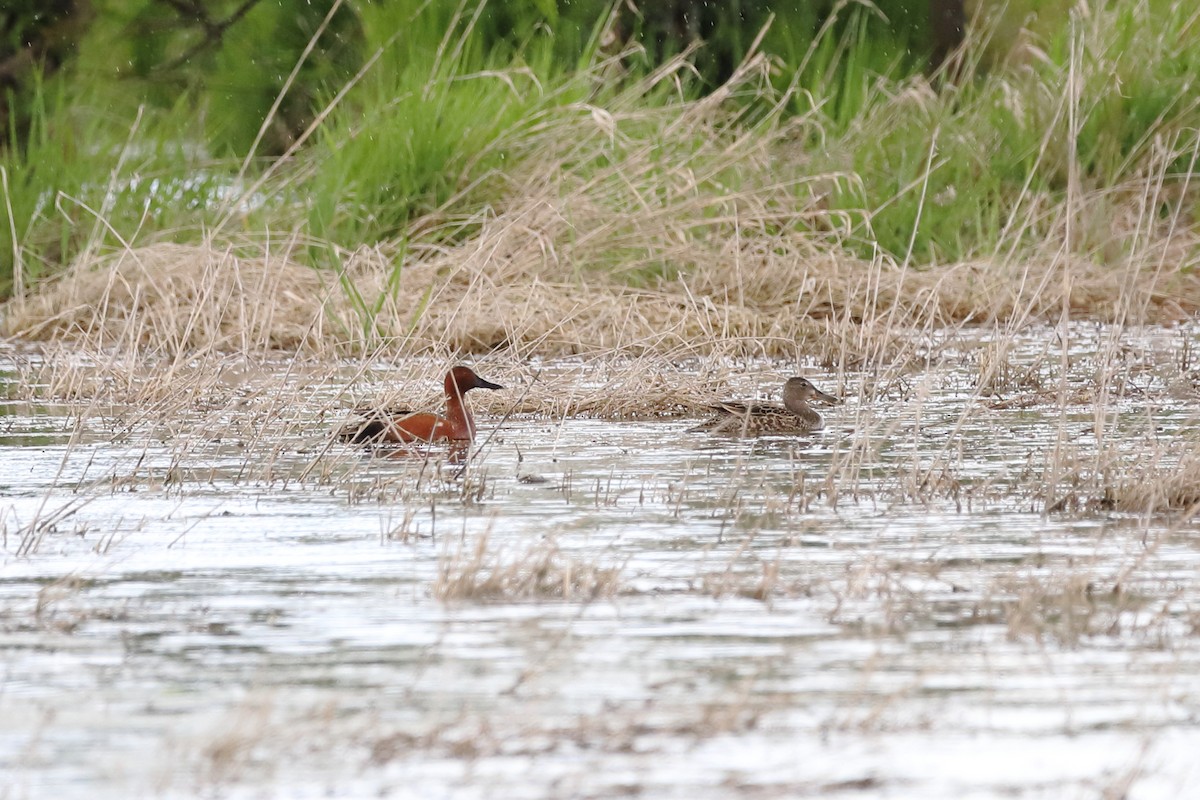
(947, 172)
(84, 178)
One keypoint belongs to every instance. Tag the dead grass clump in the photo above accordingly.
(1058, 607)
(1158, 476)
(236, 749)
(1070, 605)
(61, 372)
(1160, 489)
(178, 298)
(541, 572)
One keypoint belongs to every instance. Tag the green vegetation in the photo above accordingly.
(406, 126)
(1101, 109)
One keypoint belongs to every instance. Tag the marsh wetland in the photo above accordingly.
(226, 225)
(979, 581)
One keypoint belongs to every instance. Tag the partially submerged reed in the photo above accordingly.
(980, 421)
(479, 572)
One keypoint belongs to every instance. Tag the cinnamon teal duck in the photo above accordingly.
(401, 427)
(751, 419)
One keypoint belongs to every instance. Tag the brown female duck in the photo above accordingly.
(750, 419)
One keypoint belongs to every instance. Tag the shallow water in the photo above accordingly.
(885, 609)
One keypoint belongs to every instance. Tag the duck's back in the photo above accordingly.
(736, 417)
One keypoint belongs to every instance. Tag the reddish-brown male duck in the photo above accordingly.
(402, 427)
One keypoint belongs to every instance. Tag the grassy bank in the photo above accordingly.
(449, 198)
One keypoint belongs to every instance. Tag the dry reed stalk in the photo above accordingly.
(1081, 600)
(1164, 480)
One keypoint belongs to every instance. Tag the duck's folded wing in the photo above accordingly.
(373, 426)
(740, 409)
(372, 412)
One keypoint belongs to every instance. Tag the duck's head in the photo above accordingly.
(799, 391)
(462, 379)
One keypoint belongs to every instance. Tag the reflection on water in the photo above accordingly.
(588, 608)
